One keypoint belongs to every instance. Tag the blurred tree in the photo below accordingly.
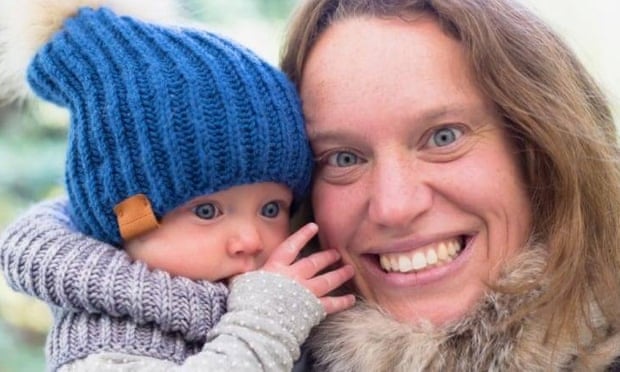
(225, 11)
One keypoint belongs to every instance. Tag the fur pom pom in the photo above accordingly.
(26, 25)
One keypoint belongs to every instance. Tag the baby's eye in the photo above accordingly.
(207, 211)
(342, 159)
(271, 209)
(444, 136)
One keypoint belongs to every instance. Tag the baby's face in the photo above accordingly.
(220, 235)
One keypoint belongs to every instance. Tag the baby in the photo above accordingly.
(188, 152)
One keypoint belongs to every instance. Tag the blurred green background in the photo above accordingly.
(32, 135)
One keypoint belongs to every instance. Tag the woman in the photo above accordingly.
(468, 170)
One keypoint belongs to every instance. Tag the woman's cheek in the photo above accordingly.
(334, 208)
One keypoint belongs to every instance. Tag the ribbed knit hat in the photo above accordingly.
(171, 113)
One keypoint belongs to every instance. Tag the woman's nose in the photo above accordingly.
(398, 193)
(245, 240)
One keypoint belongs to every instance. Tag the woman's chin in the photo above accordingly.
(437, 311)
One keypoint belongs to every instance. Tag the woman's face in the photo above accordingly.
(418, 186)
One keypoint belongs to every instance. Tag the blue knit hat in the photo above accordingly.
(170, 113)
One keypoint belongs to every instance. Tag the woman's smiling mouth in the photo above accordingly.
(430, 256)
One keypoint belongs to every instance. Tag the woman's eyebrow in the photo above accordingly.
(446, 111)
(430, 115)
(329, 135)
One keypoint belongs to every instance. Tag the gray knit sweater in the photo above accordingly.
(124, 316)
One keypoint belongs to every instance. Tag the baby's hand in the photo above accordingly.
(304, 270)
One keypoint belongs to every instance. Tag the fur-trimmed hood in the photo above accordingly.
(366, 339)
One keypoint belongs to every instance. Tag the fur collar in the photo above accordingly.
(366, 339)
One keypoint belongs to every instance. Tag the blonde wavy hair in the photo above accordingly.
(560, 122)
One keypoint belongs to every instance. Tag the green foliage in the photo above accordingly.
(229, 11)
(32, 153)
(19, 351)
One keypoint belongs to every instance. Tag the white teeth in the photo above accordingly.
(457, 248)
(394, 263)
(385, 263)
(442, 252)
(404, 264)
(419, 261)
(432, 255)
(451, 249)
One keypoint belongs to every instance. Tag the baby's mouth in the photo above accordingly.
(419, 259)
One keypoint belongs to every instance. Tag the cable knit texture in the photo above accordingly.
(42, 255)
(75, 336)
(269, 316)
(171, 113)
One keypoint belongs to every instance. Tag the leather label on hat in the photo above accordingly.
(135, 216)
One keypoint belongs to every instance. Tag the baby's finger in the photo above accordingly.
(334, 304)
(307, 267)
(288, 250)
(325, 283)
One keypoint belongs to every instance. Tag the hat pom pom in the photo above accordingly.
(26, 25)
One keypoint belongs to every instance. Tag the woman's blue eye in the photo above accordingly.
(342, 159)
(271, 210)
(207, 211)
(445, 136)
